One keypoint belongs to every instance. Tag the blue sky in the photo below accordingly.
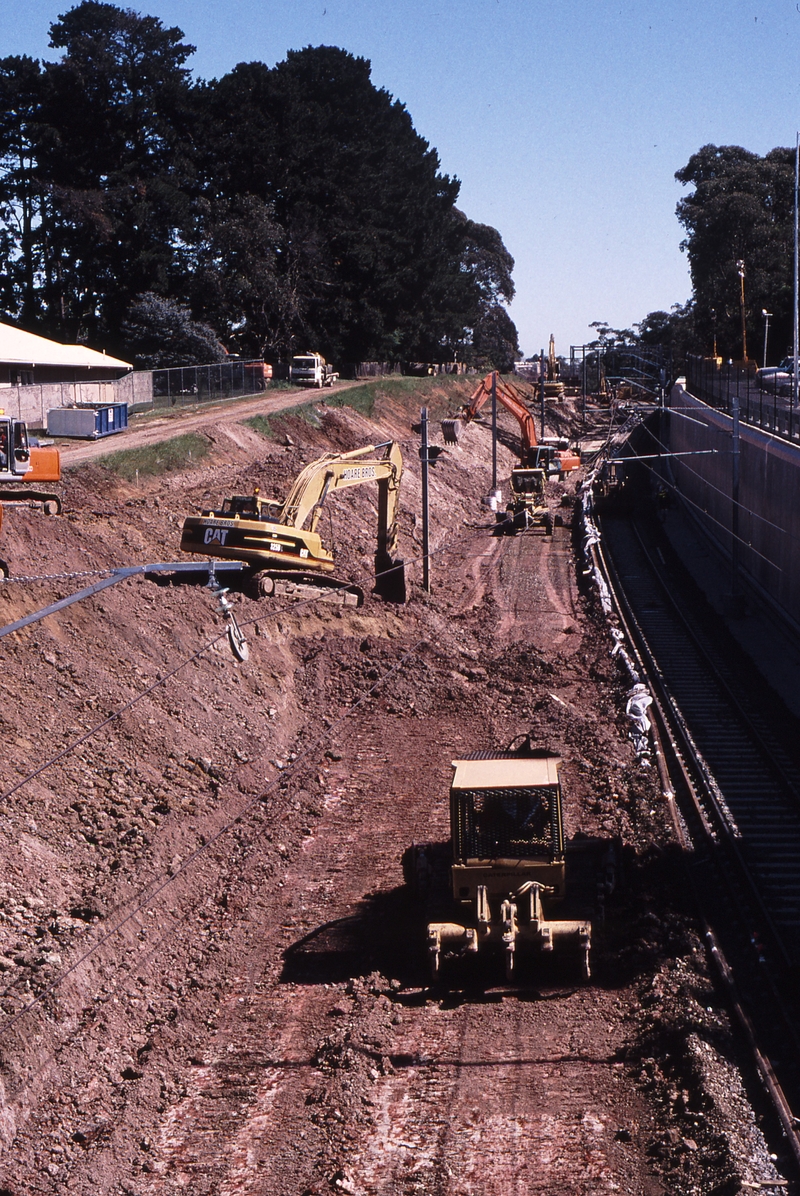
(564, 120)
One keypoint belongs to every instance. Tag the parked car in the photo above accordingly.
(777, 379)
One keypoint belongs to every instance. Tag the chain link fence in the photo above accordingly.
(765, 402)
(187, 385)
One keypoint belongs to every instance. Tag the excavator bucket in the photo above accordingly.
(390, 579)
(450, 430)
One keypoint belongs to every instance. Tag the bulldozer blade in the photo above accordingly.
(450, 430)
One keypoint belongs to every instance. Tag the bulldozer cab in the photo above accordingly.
(508, 870)
(509, 809)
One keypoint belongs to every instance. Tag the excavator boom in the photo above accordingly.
(514, 401)
(552, 457)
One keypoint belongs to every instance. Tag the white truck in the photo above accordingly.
(311, 369)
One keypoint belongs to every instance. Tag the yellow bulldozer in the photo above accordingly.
(507, 868)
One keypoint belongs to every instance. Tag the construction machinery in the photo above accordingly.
(551, 452)
(528, 507)
(25, 465)
(553, 386)
(508, 864)
(288, 558)
(311, 369)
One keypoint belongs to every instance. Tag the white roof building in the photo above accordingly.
(25, 353)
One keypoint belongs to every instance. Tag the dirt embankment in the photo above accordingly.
(212, 977)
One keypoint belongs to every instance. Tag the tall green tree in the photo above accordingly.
(21, 193)
(117, 166)
(287, 208)
(740, 210)
(375, 261)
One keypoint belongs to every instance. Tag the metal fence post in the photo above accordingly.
(423, 456)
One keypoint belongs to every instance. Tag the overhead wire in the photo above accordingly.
(148, 895)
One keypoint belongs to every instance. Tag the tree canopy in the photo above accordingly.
(740, 210)
(282, 208)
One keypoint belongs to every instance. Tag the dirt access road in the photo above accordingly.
(213, 978)
(152, 429)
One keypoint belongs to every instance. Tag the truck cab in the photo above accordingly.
(311, 369)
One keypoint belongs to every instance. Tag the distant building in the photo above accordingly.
(30, 360)
(527, 369)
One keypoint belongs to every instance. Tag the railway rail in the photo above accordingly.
(729, 758)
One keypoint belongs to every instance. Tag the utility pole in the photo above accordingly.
(494, 431)
(735, 498)
(423, 456)
(541, 381)
(740, 268)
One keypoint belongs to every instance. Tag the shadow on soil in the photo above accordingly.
(644, 921)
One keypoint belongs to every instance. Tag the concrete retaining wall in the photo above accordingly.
(32, 403)
(769, 494)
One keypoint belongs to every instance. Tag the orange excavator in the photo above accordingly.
(552, 454)
(24, 466)
(528, 508)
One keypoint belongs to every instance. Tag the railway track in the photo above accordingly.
(729, 749)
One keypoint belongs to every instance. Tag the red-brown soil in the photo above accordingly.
(213, 979)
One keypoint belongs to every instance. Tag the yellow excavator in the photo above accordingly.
(553, 386)
(288, 559)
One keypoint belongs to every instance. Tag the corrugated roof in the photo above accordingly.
(506, 774)
(25, 348)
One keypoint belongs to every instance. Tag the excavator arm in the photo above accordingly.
(552, 456)
(336, 471)
(513, 401)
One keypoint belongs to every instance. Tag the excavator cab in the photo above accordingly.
(243, 505)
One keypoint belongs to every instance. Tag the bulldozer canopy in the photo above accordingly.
(502, 774)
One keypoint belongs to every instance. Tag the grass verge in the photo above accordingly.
(151, 460)
(364, 397)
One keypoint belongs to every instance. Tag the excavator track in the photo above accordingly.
(51, 503)
(270, 583)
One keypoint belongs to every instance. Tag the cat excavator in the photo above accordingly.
(287, 558)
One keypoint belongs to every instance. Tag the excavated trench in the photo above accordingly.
(212, 977)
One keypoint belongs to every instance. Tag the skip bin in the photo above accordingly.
(89, 423)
